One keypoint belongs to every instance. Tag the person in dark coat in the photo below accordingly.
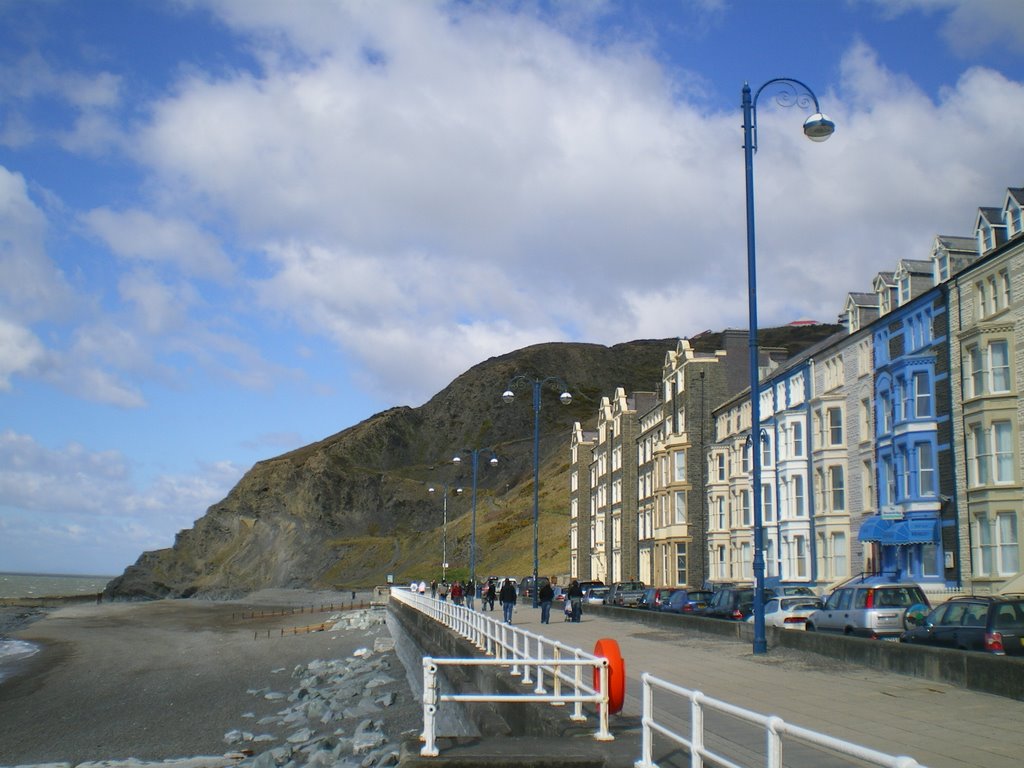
(507, 596)
(546, 595)
(490, 596)
(575, 598)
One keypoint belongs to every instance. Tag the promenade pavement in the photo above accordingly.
(939, 725)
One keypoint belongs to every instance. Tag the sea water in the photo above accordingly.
(30, 585)
(50, 585)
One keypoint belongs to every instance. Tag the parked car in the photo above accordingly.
(624, 594)
(788, 612)
(595, 595)
(793, 590)
(868, 610)
(732, 603)
(585, 585)
(686, 601)
(526, 585)
(990, 624)
(654, 597)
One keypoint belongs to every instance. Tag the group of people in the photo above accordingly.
(506, 595)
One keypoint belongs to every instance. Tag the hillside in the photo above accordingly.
(353, 508)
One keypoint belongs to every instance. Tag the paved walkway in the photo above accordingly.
(939, 725)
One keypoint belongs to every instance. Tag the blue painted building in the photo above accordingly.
(910, 535)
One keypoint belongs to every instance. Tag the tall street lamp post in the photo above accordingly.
(444, 534)
(565, 398)
(474, 454)
(817, 127)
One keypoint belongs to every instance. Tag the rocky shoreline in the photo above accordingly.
(352, 706)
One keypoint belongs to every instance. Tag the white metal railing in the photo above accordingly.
(532, 657)
(775, 729)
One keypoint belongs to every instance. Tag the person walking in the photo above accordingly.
(507, 596)
(442, 591)
(470, 594)
(575, 598)
(433, 588)
(546, 595)
(457, 593)
(490, 596)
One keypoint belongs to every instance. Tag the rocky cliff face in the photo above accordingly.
(352, 508)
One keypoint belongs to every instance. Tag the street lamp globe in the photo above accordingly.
(494, 461)
(818, 127)
(508, 395)
(565, 398)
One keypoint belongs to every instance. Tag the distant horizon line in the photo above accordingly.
(75, 575)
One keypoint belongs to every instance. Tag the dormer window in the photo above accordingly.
(986, 238)
(852, 319)
(1012, 216)
(941, 266)
(903, 287)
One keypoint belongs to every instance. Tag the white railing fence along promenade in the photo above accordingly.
(775, 729)
(537, 660)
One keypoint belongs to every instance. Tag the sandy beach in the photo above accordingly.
(166, 679)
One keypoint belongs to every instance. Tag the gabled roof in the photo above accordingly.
(1016, 194)
(956, 244)
(914, 266)
(861, 300)
(991, 216)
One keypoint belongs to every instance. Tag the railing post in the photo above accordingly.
(429, 748)
(577, 709)
(646, 740)
(515, 652)
(774, 745)
(556, 673)
(603, 734)
(539, 688)
(697, 730)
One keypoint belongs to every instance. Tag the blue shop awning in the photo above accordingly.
(914, 531)
(874, 528)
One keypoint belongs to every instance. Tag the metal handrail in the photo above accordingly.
(775, 729)
(528, 655)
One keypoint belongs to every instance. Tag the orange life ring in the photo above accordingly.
(609, 649)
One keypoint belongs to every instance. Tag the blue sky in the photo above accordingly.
(229, 228)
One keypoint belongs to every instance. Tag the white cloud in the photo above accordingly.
(970, 25)
(419, 184)
(31, 285)
(137, 234)
(80, 508)
(20, 351)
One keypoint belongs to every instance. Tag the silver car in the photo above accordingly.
(868, 610)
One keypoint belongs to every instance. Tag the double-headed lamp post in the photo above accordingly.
(444, 535)
(565, 398)
(474, 454)
(817, 127)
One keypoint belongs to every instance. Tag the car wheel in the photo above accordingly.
(808, 627)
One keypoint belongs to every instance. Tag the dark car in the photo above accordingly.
(686, 601)
(987, 624)
(732, 603)
(526, 585)
(653, 598)
(625, 594)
